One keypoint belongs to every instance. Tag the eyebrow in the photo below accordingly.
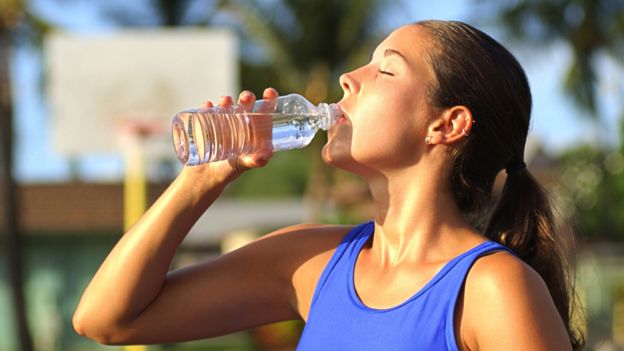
(389, 52)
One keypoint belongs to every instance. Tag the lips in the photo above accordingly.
(343, 117)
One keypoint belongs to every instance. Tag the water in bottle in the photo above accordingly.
(214, 134)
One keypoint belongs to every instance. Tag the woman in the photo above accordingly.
(429, 122)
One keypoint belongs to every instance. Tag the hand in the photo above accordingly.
(261, 128)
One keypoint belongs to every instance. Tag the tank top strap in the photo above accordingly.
(348, 247)
(454, 279)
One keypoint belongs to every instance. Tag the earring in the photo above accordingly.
(428, 140)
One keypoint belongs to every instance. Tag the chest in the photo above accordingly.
(385, 287)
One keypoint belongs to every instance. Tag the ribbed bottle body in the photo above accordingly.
(202, 136)
(208, 135)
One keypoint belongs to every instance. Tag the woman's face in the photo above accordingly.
(385, 106)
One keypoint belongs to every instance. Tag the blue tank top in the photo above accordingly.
(338, 320)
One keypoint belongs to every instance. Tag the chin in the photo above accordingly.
(334, 155)
(327, 156)
(341, 158)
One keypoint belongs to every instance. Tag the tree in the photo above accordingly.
(591, 185)
(591, 189)
(160, 13)
(300, 46)
(15, 24)
(588, 27)
(306, 45)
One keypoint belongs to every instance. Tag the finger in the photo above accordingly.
(226, 102)
(247, 99)
(269, 96)
(255, 160)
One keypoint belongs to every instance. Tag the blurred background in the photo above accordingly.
(87, 89)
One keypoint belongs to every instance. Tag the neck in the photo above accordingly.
(416, 218)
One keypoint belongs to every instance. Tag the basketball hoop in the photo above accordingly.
(140, 126)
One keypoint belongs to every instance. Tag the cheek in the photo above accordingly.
(385, 134)
(382, 148)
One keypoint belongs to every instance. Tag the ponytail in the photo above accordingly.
(474, 70)
(523, 221)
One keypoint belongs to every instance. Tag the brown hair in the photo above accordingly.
(474, 70)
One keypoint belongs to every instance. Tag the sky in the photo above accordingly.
(557, 123)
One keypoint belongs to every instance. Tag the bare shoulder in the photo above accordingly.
(507, 305)
(302, 241)
(504, 273)
(305, 245)
(283, 252)
(310, 232)
(305, 250)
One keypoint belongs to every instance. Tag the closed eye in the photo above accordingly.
(386, 73)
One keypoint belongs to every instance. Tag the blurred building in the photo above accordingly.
(69, 228)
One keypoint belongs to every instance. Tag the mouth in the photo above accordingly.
(343, 117)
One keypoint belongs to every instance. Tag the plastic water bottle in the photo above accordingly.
(214, 134)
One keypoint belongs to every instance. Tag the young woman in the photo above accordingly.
(429, 122)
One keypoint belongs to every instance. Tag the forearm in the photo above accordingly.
(134, 272)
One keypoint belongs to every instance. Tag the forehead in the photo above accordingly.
(411, 40)
(414, 43)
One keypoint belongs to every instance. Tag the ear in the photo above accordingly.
(454, 124)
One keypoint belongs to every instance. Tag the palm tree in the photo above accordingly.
(15, 24)
(306, 45)
(302, 47)
(588, 27)
(161, 13)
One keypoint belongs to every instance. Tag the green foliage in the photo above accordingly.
(592, 183)
(588, 27)
(285, 176)
(300, 46)
(304, 45)
(155, 13)
(592, 188)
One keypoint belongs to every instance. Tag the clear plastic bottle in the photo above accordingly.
(214, 134)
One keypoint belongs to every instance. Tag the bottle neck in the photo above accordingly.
(329, 113)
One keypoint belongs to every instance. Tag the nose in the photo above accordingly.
(348, 83)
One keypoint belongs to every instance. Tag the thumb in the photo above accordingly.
(256, 160)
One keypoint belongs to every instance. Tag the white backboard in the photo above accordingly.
(95, 82)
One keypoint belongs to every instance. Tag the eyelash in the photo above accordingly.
(386, 73)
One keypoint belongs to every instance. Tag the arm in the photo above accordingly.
(507, 306)
(132, 298)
